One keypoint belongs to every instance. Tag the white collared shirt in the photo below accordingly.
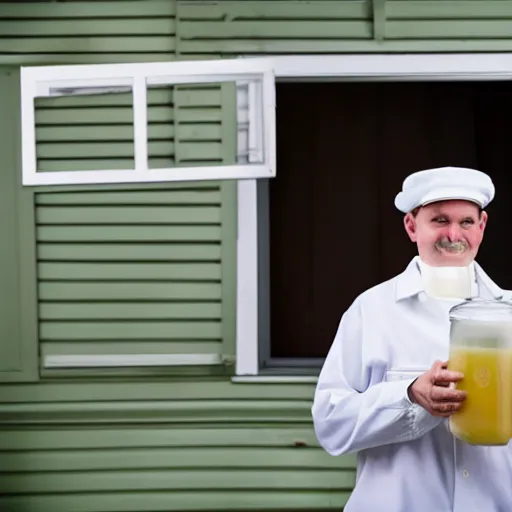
(407, 459)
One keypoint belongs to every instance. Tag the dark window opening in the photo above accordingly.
(343, 150)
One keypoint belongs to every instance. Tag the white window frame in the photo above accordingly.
(375, 67)
(48, 81)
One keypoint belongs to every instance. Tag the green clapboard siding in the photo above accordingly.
(231, 27)
(140, 446)
(270, 27)
(87, 32)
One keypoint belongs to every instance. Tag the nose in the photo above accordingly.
(454, 232)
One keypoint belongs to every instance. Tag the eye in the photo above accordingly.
(467, 223)
(440, 220)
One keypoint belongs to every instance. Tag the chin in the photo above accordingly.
(454, 259)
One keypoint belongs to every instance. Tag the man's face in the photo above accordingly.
(447, 233)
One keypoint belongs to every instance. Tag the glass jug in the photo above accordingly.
(481, 348)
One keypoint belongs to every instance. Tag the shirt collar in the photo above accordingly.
(409, 282)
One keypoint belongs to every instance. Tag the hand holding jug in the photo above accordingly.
(481, 349)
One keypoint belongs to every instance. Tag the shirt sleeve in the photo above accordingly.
(349, 414)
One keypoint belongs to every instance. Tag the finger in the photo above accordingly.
(439, 365)
(445, 408)
(447, 376)
(443, 394)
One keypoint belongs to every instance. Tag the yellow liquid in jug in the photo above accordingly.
(486, 415)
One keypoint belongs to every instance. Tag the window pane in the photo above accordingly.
(85, 132)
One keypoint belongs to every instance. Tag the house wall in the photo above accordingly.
(91, 442)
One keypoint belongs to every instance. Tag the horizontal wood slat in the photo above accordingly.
(449, 29)
(45, 59)
(128, 252)
(199, 194)
(184, 479)
(91, 27)
(203, 115)
(201, 441)
(107, 234)
(299, 46)
(191, 158)
(131, 311)
(129, 330)
(90, 133)
(209, 151)
(83, 10)
(167, 501)
(108, 116)
(269, 29)
(128, 215)
(182, 438)
(63, 271)
(196, 96)
(163, 457)
(196, 132)
(448, 9)
(101, 150)
(251, 9)
(129, 347)
(90, 164)
(126, 291)
(193, 96)
(259, 411)
(86, 391)
(98, 44)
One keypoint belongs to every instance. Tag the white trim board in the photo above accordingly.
(399, 67)
(247, 335)
(375, 67)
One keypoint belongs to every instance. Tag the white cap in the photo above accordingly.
(445, 183)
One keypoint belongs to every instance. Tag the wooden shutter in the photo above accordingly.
(127, 272)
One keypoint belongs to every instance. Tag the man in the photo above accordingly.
(385, 391)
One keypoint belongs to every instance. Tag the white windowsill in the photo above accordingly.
(274, 379)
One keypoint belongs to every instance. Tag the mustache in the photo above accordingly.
(457, 246)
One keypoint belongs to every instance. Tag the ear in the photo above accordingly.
(483, 220)
(410, 226)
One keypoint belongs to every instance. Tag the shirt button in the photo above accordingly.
(465, 474)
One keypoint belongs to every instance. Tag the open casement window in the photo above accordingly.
(133, 170)
(148, 154)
